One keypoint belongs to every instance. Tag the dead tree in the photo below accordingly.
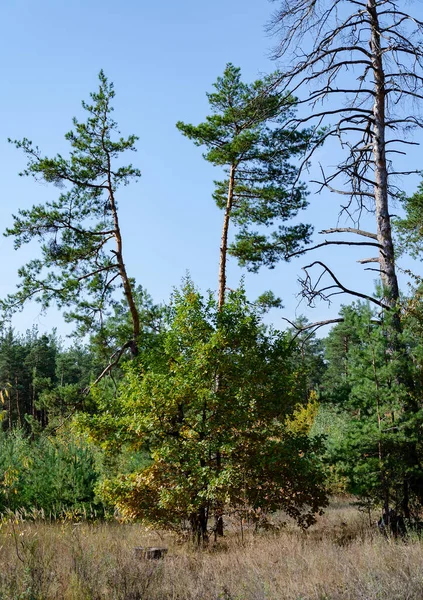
(360, 64)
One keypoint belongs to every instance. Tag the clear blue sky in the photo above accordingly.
(162, 57)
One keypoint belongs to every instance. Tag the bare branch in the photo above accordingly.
(365, 261)
(114, 360)
(313, 326)
(373, 236)
(333, 243)
(311, 292)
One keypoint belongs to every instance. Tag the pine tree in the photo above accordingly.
(380, 448)
(362, 70)
(79, 269)
(245, 134)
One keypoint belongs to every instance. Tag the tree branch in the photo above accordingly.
(315, 325)
(118, 354)
(365, 261)
(311, 292)
(334, 243)
(368, 234)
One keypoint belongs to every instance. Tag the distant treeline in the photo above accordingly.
(32, 368)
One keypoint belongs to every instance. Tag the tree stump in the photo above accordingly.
(150, 553)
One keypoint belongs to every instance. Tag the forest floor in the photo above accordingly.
(341, 557)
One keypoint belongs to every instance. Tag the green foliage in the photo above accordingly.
(210, 401)
(50, 474)
(308, 353)
(336, 386)
(304, 416)
(39, 379)
(410, 228)
(76, 269)
(117, 328)
(247, 135)
(375, 389)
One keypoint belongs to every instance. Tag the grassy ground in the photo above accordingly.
(339, 558)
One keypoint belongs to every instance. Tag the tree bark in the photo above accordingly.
(199, 522)
(383, 221)
(218, 516)
(127, 287)
(18, 410)
(224, 239)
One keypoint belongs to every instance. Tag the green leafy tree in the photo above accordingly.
(79, 269)
(212, 448)
(77, 368)
(246, 135)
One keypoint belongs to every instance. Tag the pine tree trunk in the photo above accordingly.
(10, 412)
(127, 286)
(383, 220)
(218, 516)
(384, 236)
(224, 239)
(18, 410)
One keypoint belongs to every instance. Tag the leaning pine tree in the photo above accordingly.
(81, 263)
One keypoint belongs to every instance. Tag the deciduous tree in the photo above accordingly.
(228, 449)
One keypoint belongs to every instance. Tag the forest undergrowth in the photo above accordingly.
(342, 557)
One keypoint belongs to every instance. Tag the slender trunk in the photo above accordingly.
(346, 348)
(218, 514)
(383, 221)
(127, 286)
(10, 411)
(18, 410)
(405, 504)
(34, 374)
(224, 239)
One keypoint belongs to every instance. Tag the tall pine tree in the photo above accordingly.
(246, 136)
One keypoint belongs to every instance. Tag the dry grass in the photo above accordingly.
(340, 558)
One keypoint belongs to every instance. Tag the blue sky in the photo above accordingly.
(162, 57)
